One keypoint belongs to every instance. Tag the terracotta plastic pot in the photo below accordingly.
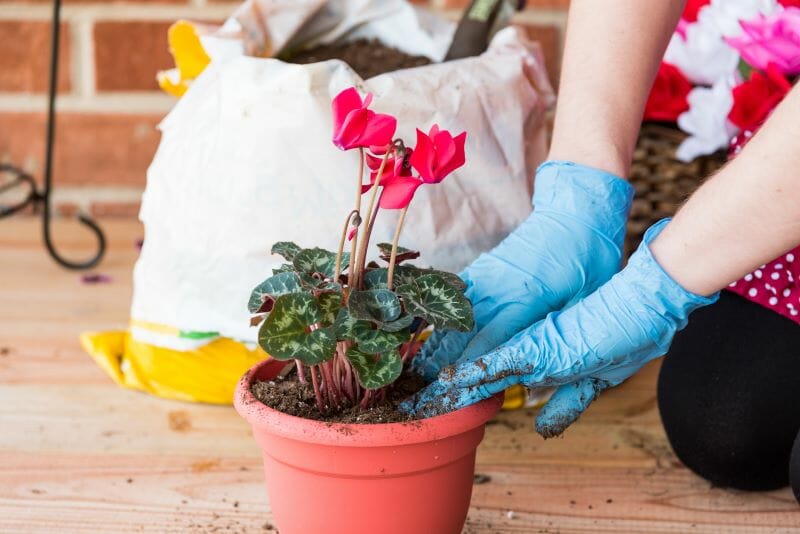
(399, 478)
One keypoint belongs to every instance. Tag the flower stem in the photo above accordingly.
(393, 257)
(362, 251)
(301, 373)
(354, 244)
(317, 392)
(338, 270)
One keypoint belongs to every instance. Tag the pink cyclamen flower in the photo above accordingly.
(399, 185)
(771, 39)
(437, 154)
(355, 125)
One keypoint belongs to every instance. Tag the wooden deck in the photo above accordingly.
(77, 454)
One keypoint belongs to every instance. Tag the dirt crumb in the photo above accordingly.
(204, 465)
(179, 421)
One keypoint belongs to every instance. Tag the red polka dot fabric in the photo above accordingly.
(775, 285)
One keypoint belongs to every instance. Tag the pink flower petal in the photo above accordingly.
(458, 157)
(348, 136)
(345, 102)
(398, 192)
(379, 130)
(423, 157)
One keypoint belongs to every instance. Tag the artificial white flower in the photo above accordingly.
(707, 122)
(724, 15)
(703, 56)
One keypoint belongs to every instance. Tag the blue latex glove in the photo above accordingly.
(567, 248)
(595, 344)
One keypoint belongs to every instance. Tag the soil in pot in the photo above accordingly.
(292, 397)
(368, 57)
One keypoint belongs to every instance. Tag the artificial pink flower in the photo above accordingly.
(354, 125)
(789, 3)
(755, 99)
(437, 154)
(771, 39)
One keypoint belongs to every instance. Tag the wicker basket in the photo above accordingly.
(662, 182)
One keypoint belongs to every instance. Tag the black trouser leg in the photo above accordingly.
(729, 395)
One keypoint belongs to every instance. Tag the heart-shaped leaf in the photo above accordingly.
(284, 268)
(287, 333)
(317, 260)
(434, 299)
(376, 305)
(403, 254)
(402, 323)
(330, 304)
(369, 338)
(375, 370)
(264, 294)
(408, 274)
(287, 249)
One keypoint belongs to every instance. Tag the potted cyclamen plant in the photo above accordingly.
(338, 454)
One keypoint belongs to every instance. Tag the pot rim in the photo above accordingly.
(288, 426)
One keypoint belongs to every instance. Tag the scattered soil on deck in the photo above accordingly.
(368, 57)
(290, 396)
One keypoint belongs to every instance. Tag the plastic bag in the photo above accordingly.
(246, 160)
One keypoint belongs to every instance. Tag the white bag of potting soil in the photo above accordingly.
(246, 158)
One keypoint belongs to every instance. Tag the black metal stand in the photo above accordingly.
(37, 198)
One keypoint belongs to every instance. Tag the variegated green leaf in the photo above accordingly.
(438, 302)
(285, 268)
(408, 274)
(377, 305)
(264, 294)
(317, 260)
(369, 338)
(403, 322)
(375, 370)
(286, 333)
(330, 304)
(287, 249)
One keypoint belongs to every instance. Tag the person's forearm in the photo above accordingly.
(613, 49)
(746, 215)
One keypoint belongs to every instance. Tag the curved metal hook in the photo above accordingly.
(48, 171)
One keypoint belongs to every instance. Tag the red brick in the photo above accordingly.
(129, 54)
(115, 209)
(550, 39)
(25, 56)
(90, 148)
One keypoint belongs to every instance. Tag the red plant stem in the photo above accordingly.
(301, 372)
(410, 346)
(317, 392)
(338, 269)
(366, 400)
(365, 234)
(354, 245)
(393, 257)
(333, 389)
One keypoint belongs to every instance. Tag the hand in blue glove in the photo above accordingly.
(595, 344)
(567, 248)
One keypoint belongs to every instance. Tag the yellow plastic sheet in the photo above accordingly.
(208, 374)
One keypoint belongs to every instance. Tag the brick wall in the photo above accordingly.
(109, 102)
